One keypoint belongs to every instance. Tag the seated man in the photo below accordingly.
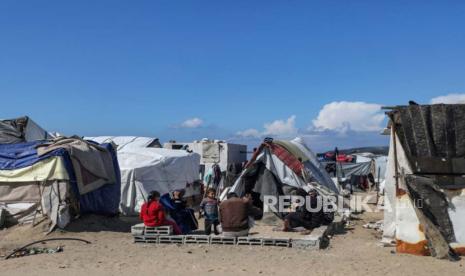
(153, 215)
(302, 217)
(234, 215)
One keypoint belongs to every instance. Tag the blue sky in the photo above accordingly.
(236, 70)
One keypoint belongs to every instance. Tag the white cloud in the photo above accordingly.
(281, 127)
(192, 123)
(449, 99)
(344, 116)
(251, 132)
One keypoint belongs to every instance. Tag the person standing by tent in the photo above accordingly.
(209, 206)
(235, 213)
(153, 215)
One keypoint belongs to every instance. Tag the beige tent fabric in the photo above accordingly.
(51, 199)
(92, 164)
(52, 168)
(211, 152)
(19, 192)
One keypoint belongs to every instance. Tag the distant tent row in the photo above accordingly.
(425, 188)
(359, 169)
(58, 179)
(280, 167)
(146, 167)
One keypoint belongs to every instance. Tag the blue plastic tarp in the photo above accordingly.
(17, 156)
(104, 200)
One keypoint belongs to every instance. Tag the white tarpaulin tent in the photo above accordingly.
(128, 141)
(144, 169)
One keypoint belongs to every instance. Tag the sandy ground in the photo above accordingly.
(113, 252)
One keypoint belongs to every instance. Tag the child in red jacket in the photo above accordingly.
(153, 215)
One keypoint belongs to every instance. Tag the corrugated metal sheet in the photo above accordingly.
(433, 137)
(431, 130)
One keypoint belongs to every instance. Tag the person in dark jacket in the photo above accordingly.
(175, 204)
(309, 219)
(153, 215)
(235, 213)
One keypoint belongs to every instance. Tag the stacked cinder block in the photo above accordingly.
(223, 240)
(164, 235)
(146, 234)
(196, 239)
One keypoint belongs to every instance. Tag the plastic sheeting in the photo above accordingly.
(349, 169)
(152, 169)
(105, 200)
(21, 130)
(145, 169)
(429, 201)
(123, 142)
(52, 168)
(389, 190)
(149, 169)
(287, 176)
(315, 167)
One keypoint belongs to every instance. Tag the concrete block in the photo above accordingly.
(146, 239)
(138, 229)
(170, 239)
(276, 242)
(196, 239)
(158, 231)
(249, 241)
(306, 244)
(222, 240)
(317, 239)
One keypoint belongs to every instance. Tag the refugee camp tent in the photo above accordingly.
(279, 167)
(424, 187)
(379, 162)
(22, 129)
(145, 168)
(57, 179)
(128, 141)
(347, 170)
(353, 162)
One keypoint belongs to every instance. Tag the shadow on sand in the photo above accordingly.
(96, 223)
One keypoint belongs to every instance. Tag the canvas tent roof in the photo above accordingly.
(144, 169)
(275, 169)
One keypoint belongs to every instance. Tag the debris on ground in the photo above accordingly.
(36, 251)
(378, 225)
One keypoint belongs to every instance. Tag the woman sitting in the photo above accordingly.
(175, 204)
(153, 215)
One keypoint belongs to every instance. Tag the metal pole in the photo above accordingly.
(396, 169)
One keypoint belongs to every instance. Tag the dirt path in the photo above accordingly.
(112, 252)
